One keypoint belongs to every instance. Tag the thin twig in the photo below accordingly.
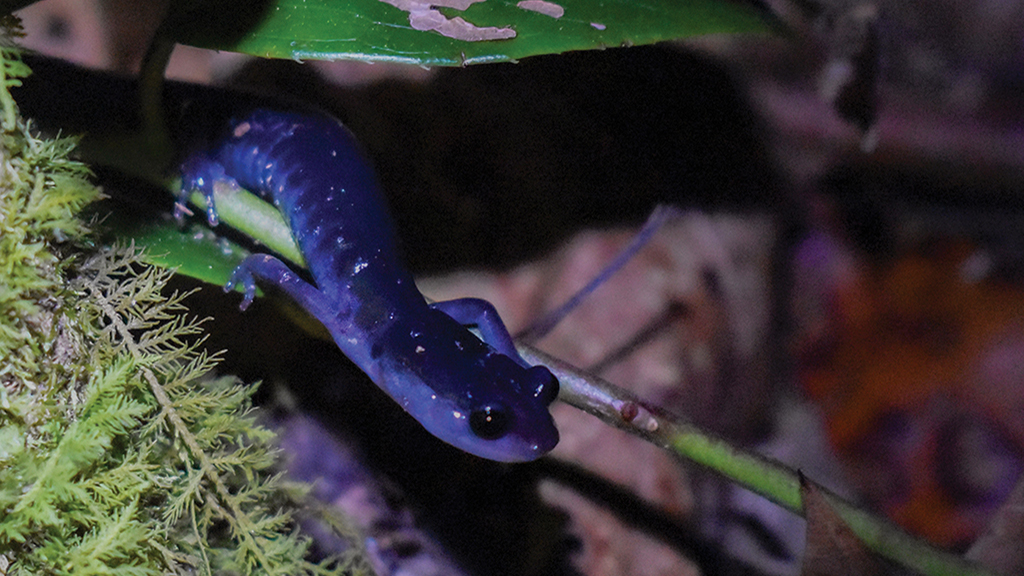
(662, 214)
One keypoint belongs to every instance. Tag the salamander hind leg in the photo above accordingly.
(199, 172)
(272, 271)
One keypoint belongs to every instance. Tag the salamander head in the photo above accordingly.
(510, 423)
(476, 399)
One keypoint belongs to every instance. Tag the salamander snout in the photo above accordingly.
(546, 385)
(512, 418)
(495, 419)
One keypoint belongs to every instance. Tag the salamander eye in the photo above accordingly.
(491, 422)
(547, 385)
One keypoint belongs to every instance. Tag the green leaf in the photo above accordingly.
(194, 251)
(373, 30)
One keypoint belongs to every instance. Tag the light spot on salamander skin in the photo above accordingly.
(242, 129)
(359, 267)
(420, 349)
(598, 25)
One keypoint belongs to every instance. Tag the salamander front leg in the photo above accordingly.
(274, 272)
(199, 172)
(481, 313)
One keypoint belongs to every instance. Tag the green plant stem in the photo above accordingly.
(157, 138)
(253, 217)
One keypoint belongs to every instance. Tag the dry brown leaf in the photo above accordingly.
(832, 547)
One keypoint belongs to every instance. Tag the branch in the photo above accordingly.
(619, 408)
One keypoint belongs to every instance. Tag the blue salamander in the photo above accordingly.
(476, 394)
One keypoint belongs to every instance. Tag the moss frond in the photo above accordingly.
(120, 453)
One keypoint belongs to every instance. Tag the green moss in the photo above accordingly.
(120, 454)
